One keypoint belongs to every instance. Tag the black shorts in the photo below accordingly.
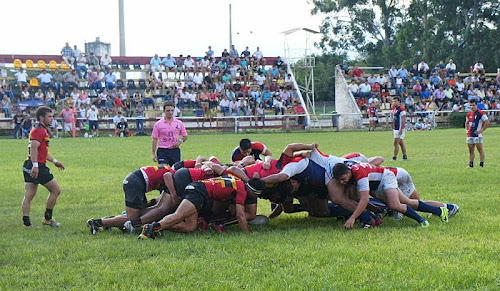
(44, 174)
(168, 156)
(182, 178)
(197, 194)
(93, 124)
(134, 187)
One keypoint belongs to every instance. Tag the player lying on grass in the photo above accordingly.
(135, 187)
(196, 196)
(382, 180)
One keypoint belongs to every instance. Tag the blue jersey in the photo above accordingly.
(397, 120)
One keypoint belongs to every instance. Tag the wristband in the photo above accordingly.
(54, 161)
(35, 165)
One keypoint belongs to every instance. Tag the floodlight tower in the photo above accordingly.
(305, 63)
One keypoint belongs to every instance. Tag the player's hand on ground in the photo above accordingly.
(34, 172)
(59, 165)
(349, 223)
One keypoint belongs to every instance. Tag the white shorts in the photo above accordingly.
(67, 127)
(388, 181)
(474, 140)
(405, 183)
(396, 134)
(373, 118)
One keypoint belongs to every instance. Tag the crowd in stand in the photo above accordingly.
(233, 84)
(425, 89)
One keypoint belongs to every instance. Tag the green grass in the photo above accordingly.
(293, 252)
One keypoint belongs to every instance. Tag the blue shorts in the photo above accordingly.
(168, 156)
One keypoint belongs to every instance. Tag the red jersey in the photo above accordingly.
(189, 163)
(366, 174)
(198, 174)
(257, 149)
(475, 121)
(258, 168)
(154, 176)
(373, 111)
(39, 133)
(226, 188)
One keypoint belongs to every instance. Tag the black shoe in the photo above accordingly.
(148, 232)
(405, 157)
(92, 226)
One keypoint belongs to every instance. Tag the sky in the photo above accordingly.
(153, 26)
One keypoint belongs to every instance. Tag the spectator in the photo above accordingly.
(93, 62)
(280, 64)
(233, 53)
(426, 96)
(169, 64)
(210, 53)
(58, 80)
(92, 114)
(76, 54)
(17, 120)
(39, 94)
(451, 68)
(478, 68)
(94, 81)
(440, 69)
(258, 54)
(45, 80)
(261, 113)
(299, 110)
(382, 80)
(344, 67)
(68, 116)
(70, 79)
(121, 129)
(148, 98)
(365, 90)
(415, 74)
(403, 73)
(74, 97)
(410, 103)
(127, 106)
(139, 118)
(233, 107)
(81, 65)
(25, 94)
(22, 79)
(189, 64)
(109, 80)
(6, 105)
(439, 96)
(419, 125)
(26, 125)
(372, 79)
(118, 117)
(155, 64)
(245, 53)
(423, 69)
(224, 106)
(417, 89)
(393, 72)
(449, 94)
(67, 55)
(7, 90)
(354, 88)
(278, 106)
(357, 73)
(106, 62)
(435, 81)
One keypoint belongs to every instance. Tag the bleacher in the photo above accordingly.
(131, 73)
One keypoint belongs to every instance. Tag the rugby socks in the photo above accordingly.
(98, 222)
(449, 206)
(424, 207)
(471, 164)
(481, 164)
(48, 214)
(365, 217)
(156, 226)
(26, 221)
(413, 214)
(337, 211)
(297, 208)
(136, 221)
(273, 206)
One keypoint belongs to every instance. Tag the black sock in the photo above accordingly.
(481, 164)
(394, 158)
(98, 222)
(136, 221)
(26, 220)
(48, 214)
(471, 164)
(156, 226)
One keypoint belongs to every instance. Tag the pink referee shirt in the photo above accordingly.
(168, 133)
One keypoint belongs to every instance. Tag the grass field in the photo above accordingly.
(293, 252)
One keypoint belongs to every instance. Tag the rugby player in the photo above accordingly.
(248, 148)
(398, 128)
(196, 196)
(36, 172)
(135, 187)
(382, 180)
(476, 123)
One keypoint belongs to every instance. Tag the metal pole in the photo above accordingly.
(230, 28)
(121, 28)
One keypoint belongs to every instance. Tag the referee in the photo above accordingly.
(168, 134)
